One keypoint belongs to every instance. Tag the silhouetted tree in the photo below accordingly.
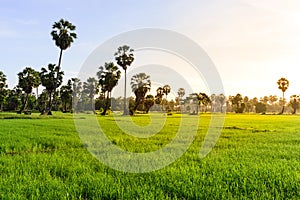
(140, 85)
(283, 85)
(51, 79)
(202, 98)
(167, 90)
(159, 95)
(149, 102)
(63, 34)
(124, 57)
(66, 96)
(108, 76)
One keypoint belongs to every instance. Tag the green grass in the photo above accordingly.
(256, 157)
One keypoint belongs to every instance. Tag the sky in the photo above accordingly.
(252, 43)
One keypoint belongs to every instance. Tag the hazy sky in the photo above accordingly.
(251, 42)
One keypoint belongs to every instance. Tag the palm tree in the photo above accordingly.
(76, 90)
(140, 85)
(167, 90)
(63, 35)
(90, 88)
(28, 79)
(221, 99)
(51, 81)
(108, 76)
(159, 95)
(283, 85)
(3, 89)
(294, 102)
(202, 98)
(66, 95)
(124, 57)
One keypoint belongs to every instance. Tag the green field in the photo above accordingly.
(256, 157)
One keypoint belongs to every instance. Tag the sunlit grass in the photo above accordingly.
(256, 157)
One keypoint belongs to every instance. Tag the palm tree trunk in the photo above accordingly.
(125, 107)
(37, 92)
(282, 103)
(25, 103)
(59, 59)
(106, 104)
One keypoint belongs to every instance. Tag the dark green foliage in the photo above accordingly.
(51, 79)
(3, 89)
(63, 34)
(140, 85)
(108, 76)
(66, 96)
(260, 107)
(28, 79)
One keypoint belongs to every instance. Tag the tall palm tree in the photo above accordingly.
(28, 79)
(140, 85)
(108, 76)
(124, 57)
(63, 34)
(283, 85)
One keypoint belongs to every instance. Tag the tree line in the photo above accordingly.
(94, 94)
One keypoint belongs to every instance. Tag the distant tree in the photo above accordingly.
(149, 102)
(124, 57)
(201, 98)
(66, 96)
(13, 101)
(167, 90)
(42, 101)
(51, 78)
(3, 89)
(159, 95)
(76, 90)
(140, 85)
(238, 102)
(260, 107)
(181, 93)
(294, 102)
(90, 89)
(273, 99)
(108, 76)
(28, 79)
(221, 99)
(283, 85)
(179, 100)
